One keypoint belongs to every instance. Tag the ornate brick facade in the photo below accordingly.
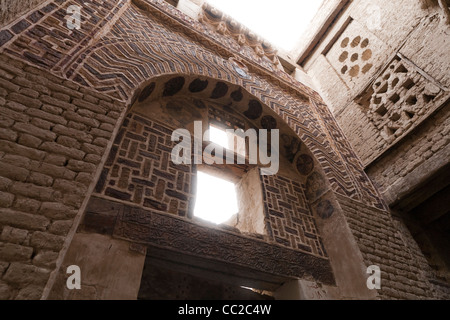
(138, 169)
(71, 152)
(289, 219)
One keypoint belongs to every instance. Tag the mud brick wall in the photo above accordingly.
(53, 134)
(379, 237)
(288, 218)
(139, 169)
(381, 82)
(430, 139)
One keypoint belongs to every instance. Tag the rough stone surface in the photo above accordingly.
(39, 162)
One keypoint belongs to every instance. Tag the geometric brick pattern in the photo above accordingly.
(155, 229)
(369, 194)
(288, 218)
(142, 44)
(120, 46)
(139, 169)
(43, 38)
(395, 97)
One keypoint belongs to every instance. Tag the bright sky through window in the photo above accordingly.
(218, 136)
(281, 22)
(227, 140)
(216, 199)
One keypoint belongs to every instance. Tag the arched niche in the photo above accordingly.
(145, 200)
(178, 100)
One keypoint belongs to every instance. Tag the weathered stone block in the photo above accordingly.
(71, 187)
(61, 96)
(78, 118)
(78, 166)
(68, 142)
(26, 205)
(72, 199)
(31, 292)
(35, 131)
(6, 122)
(29, 92)
(4, 183)
(102, 142)
(90, 148)
(93, 158)
(57, 211)
(55, 171)
(6, 199)
(23, 220)
(32, 191)
(53, 147)
(12, 172)
(5, 291)
(107, 127)
(15, 115)
(11, 87)
(40, 179)
(46, 116)
(84, 178)
(14, 148)
(79, 135)
(13, 235)
(108, 119)
(43, 240)
(27, 101)
(41, 123)
(52, 109)
(89, 106)
(8, 134)
(61, 227)
(55, 159)
(101, 133)
(24, 274)
(29, 140)
(14, 252)
(46, 259)
(57, 103)
(63, 89)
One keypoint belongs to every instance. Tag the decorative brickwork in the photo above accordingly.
(139, 169)
(61, 95)
(289, 220)
(250, 44)
(152, 228)
(399, 99)
(134, 54)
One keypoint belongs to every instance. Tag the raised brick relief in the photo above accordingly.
(289, 220)
(123, 59)
(249, 43)
(139, 170)
(185, 237)
(398, 98)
